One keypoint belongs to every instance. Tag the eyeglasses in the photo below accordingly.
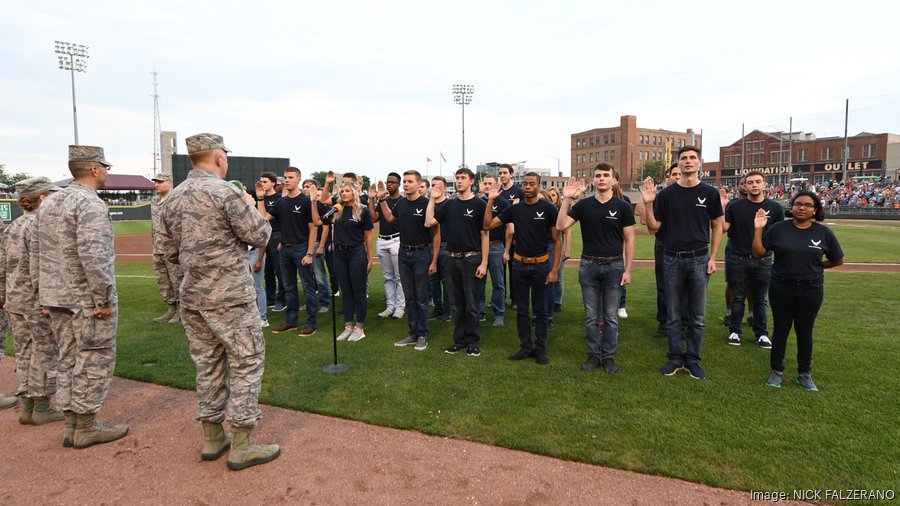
(804, 205)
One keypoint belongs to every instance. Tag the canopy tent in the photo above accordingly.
(119, 182)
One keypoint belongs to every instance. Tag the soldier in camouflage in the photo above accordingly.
(37, 354)
(168, 275)
(73, 267)
(206, 226)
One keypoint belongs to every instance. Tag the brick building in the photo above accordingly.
(626, 147)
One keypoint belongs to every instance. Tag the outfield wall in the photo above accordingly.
(10, 210)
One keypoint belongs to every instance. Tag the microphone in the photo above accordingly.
(331, 212)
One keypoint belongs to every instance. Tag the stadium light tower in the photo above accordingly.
(462, 95)
(72, 57)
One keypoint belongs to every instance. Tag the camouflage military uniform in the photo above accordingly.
(73, 261)
(206, 227)
(37, 354)
(168, 275)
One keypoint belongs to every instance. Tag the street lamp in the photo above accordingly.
(462, 95)
(72, 57)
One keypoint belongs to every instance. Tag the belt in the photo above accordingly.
(750, 257)
(291, 245)
(444, 244)
(341, 247)
(386, 237)
(532, 260)
(414, 247)
(463, 254)
(799, 282)
(496, 243)
(687, 254)
(602, 260)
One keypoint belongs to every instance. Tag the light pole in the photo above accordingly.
(72, 57)
(462, 95)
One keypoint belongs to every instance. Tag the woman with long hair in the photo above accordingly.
(352, 249)
(796, 288)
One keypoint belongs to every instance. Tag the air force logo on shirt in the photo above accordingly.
(700, 202)
(815, 244)
(418, 212)
(612, 215)
(539, 216)
(298, 209)
(469, 213)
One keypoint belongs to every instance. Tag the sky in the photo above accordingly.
(366, 86)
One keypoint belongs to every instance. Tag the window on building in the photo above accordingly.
(802, 155)
(641, 141)
(868, 151)
(606, 156)
(591, 141)
(851, 152)
(592, 157)
(606, 139)
(612, 138)
(827, 153)
(612, 155)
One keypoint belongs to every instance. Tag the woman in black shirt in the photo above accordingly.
(796, 287)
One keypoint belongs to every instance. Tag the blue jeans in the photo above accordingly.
(274, 283)
(350, 268)
(258, 282)
(600, 292)
(321, 279)
(531, 279)
(750, 275)
(498, 284)
(658, 254)
(686, 282)
(463, 285)
(437, 283)
(414, 278)
(290, 266)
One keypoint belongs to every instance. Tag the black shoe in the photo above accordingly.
(609, 366)
(557, 308)
(541, 359)
(550, 325)
(435, 315)
(592, 362)
(473, 351)
(456, 348)
(481, 317)
(521, 355)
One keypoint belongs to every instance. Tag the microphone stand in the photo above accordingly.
(334, 367)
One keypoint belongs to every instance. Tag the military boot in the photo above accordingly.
(176, 317)
(215, 441)
(245, 454)
(27, 409)
(44, 412)
(168, 315)
(69, 429)
(8, 401)
(89, 431)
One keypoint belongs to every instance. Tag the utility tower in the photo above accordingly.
(157, 158)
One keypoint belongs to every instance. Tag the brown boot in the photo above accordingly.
(245, 454)
(8, 401)
(215, 441)
(27, 409)
(176, 317)
(89, 431)
(69, 429)
(170, 312)
(44, 412)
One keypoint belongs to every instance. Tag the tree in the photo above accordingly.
(8, 180)
(652, 168)
(319, 177)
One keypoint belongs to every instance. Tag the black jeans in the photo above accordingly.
(794, 302)
(350, 267)
(531, 279)
(750, 275)
(463, 287)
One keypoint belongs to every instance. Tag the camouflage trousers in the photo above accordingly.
(4, 330)
(87, 357)
(168, 278)
(229, 350)
(37, 354)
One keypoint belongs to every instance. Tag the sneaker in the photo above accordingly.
(337, 293)
(550, 325)
(386, 313)
(541, 359)
(323, 310)
(696, 371)
(421, 343)
(278, 308)
(265, 323)
(284, 327)
(609, 366)
(445, 317)
(482, 317)
(521, 355)
(623, 313)
(764, 343)
(592, 362)
(345, 334)
(670, 369)
(307, 331)
(398, 313)
(726, 322)
(456, 348)
(775, 378)
(406, 341)
(557, 308)
(270, 306)
(804, 379)
(473, 351)
(435, 315)
(356, 335)
(498, 321)
(734, 339)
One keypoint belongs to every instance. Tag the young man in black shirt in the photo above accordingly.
(748, 273)
(607, 231)
(467, 257)
(533, 219)
(265, 191)
(688, 210)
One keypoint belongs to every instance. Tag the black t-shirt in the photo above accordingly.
(269, 202)
(741, 213)
(461, 224)
(294, 214)
(499, 233)
(348, 231)
(410, 216)
(533, 224)
(514, 192)
(322, 208)
(385, 228)
(687, 213)
(602, 225)
(798, 251)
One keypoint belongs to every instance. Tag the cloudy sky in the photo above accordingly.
(365, 86)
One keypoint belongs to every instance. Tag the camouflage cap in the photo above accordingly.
(87, 154)
(205, 142)
(162, 177)
(35, 186)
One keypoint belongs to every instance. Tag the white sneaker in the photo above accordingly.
(764, 342)
(345, 334)
(623, 313)
(398, 313)
(356, 335)
(265, 323)
(734, 339)
(386, 313)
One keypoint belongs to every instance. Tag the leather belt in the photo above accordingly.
(798, 282)
(414, 247)
(602, 260)
(341, 247)
(387, 237)
(496, 243)
(687, 254)
(532, 260)
(463, 254)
